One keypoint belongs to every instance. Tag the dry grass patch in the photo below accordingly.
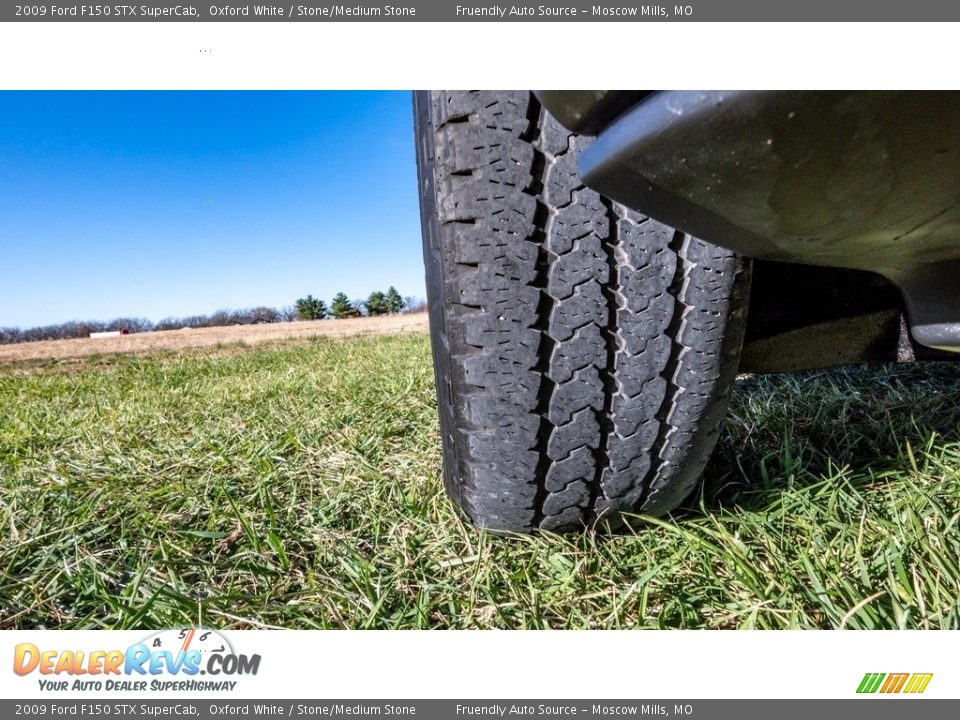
(177, 340)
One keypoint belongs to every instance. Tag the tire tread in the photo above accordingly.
(584, 353)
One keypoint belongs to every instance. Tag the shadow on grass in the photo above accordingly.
(794, 430)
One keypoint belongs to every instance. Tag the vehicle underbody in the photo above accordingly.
(848, 202)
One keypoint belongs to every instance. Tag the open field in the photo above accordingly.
(205, 337)
(297, 485)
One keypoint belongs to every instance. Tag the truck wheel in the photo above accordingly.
(584, 353)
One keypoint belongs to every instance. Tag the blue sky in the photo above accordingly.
(156, 204)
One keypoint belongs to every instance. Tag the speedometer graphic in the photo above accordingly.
(182, 640)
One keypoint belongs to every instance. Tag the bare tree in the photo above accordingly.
(413, 304)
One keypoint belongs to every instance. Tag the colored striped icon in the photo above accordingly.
(894, 683)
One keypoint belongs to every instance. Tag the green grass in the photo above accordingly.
(297, 485)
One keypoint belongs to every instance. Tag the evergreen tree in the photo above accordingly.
(376, 304)
(311, 308)
(394, 301)
(341, 307)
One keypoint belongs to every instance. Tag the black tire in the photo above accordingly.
(584, 354)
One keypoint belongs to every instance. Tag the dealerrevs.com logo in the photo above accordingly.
(169, 660)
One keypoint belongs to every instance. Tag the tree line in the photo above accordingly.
(379, 303)
(306, 308)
